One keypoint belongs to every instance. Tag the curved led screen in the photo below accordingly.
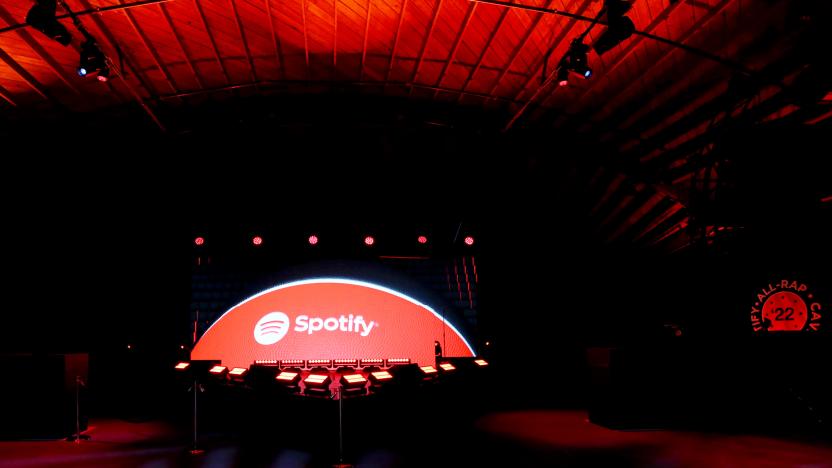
(329, 318)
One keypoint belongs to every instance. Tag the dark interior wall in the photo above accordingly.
(98, 236)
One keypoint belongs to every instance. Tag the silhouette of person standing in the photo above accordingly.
(437, 351)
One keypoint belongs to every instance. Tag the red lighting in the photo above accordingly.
(291, 363)
(563, 83)
(394, 361)
(313, 239)
(355, 378)
(199, 240)
(381, 375)
(316, 379)
(287, 376)
(266, 361)
(319, 363)
(422, 240)
(182, 365)
(372, 362)
(257, 240)
(369, 240)
(481, 362)
(469, 240)
(217, 369)
(346, 362)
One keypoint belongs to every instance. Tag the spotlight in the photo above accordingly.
(257, 240)
(199, 241)
(237, 373)
(182, 366)
(619, 27)
(313, 239)
(42, 17)
(289, 380)
(428, 372)
(346, 362)
(576, 59)
(218, 371)
(317, 384)
(93, 61)
(319, 363)
(292, 363)
(371, 362)
(447, 367)
(380, 377)
(397, 361)
(481, 362)
(563, 76)
(469, 240)
(353, 383)
(369, 240)
(422, 239)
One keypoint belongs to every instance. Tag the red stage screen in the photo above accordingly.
(329, 318)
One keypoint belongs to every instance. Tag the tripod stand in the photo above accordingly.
(77, 437)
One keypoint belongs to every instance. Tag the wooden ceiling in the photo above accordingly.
(655, 103)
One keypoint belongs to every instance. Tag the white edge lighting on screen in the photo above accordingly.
(351, 282)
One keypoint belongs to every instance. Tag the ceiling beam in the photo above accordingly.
(212, 41)
(305, 37)
(251, 69)
(42, 53)
(396, 41)
(486, 48)
(517, 48)
(152, 51)
(436, 8)
(366, 38)
(452, 53)
(7, 96)
(278, 47)
(90, 11)
(181, 45)
(27, 77)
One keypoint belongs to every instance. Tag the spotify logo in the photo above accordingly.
(271, 328)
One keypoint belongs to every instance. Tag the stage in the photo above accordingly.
(537, 438)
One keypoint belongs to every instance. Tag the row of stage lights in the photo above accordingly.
(313, 239)
(289, 374)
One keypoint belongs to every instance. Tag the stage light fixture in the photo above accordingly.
(257, 240)
(481, 362)
(317, 384)
(182, 366)
(469, 240)
(345, 362)
(313, 240)
(237, 373)
(288, 380)
(422, 239)
(199, 241)
(619, 27)
(397, 361)
(563, 76)
(292, 363)
(371, 362)
(429, 372)
(353, 383)
(576, 60)
(42, 17)
(380, 377)
(93, 61)
(369, 240)
(266, 361)
(218, 371)
(447, 367)
(319, 363)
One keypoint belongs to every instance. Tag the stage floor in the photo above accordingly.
(519, 438)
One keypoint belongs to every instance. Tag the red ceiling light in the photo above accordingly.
(369, 240)
(199, 240)
(313, 239)
(257, 240)
(422, 240)
(469, 240)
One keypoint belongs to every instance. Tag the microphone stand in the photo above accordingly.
(77, 437)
